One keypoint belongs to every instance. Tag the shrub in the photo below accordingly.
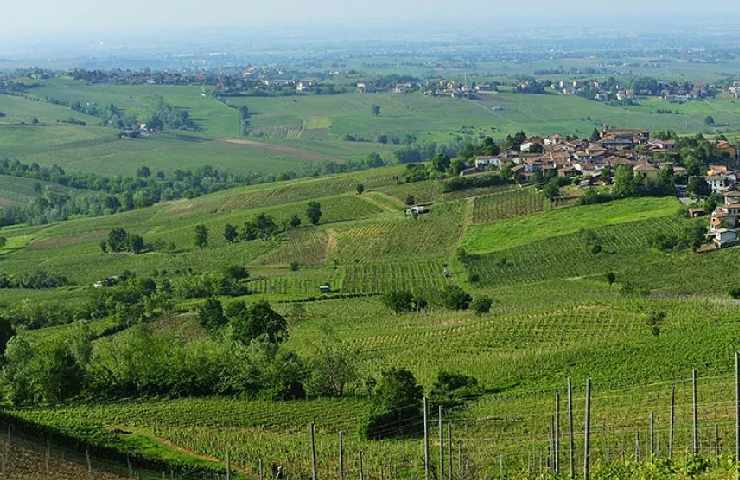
(482, 305)
(735, 293)
(455, 298)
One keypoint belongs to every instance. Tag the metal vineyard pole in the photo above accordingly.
(441, 446)
(426, 440)
(638, 456)
(449, 449)
(557, 432)
(587, 433)
(673, 416)
(260, 470)
(312, 435)
(694, 414)
(341, 456)
(571, 453)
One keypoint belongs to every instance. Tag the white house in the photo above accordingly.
(483, 162)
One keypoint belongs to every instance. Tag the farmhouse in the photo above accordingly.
(724, 224)
(720, 178)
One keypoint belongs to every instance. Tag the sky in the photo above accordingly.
(21, 20)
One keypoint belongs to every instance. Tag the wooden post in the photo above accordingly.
(441, 470)
(362, 475)
(652, 436)
(426, 440)
(571, 442)
(737, 408)
(694, 414)
(48, 453)
(312, 435)
(449, 449)
(341, 456)
(260, 470)
(228, 466)
(673, 416)
(587, 434)
(638, 455)
(89, 463)
(460, 458)
(716, 440)
(551, 444)
(557, 432)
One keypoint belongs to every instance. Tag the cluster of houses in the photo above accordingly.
(724, 224)
(611, 90)
(454, 89)
(734, 90)
(592, 160)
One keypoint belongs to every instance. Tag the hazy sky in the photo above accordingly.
(21, 19)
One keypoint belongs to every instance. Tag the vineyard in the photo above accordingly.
(619, 247)
(515, 203)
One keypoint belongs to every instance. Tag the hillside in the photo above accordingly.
(554, 317)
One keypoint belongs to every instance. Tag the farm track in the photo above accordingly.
(281, 149)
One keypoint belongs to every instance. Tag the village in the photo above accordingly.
(591, 163)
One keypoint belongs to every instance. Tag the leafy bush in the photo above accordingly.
(482, 305)
(455, 298)
(397, 406)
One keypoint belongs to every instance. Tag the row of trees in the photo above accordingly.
(451, 297)
(39, 279)
(263, 227)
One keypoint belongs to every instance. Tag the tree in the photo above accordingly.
(410, 200)
(6, 333)
(451, 390)
(3, 242)
(332, 368)
(551, 189)
(611, 277)
(455, 298)
(236, 272)
(211, 315)
(249, 323)
(698, 187)
(624, 182)
(360, 188)
(482, 305)
(375, 109)
(136, 243)
(399, 301)
(313, 212)
(441, 162)
(595, 135)
(709, 121)
(374, 160)
(295, 221)
(397, 406)
(118, 240)
(231, 234)
(201, 236)
(143, 172)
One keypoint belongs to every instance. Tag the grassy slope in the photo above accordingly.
(515, 232)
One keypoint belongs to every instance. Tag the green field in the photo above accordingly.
(555, 315)
(297, 133)
(515, 232)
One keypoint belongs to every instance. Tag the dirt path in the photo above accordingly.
(282, 149)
